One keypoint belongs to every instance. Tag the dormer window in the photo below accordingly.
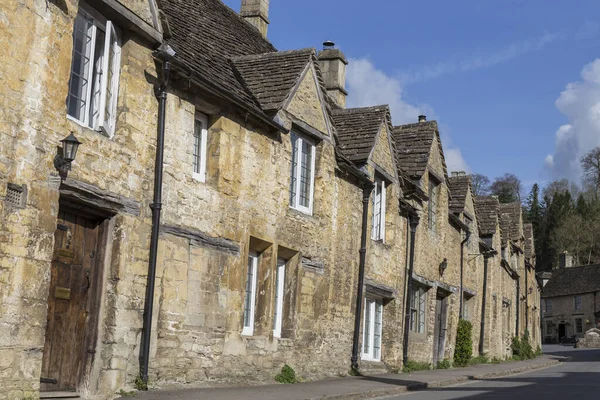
(303, 173)
(433, 201)
(379, 202)
(94, 81)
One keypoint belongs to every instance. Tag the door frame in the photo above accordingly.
(440, 326)
(97, 290)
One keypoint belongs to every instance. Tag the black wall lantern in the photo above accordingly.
(443, 266)
(62, 162)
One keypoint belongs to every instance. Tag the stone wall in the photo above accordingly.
(32, 122)
(591, 340)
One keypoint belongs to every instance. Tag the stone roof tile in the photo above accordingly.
(270, 77)
(514, 213)
(574, 280)
(413, 145)
(357, 130)
(487, 209)
(206, 34)
(529, 243)
(459, 188)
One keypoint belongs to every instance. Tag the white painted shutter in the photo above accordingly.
(110, 80)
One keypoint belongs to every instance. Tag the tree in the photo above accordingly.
(590, 164)
(480, 184)
(508, 188)
(560, 186)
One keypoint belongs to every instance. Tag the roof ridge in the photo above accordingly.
(308, 51)
(381, 107)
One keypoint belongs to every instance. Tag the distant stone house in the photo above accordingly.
(286, 219)
(571, 303)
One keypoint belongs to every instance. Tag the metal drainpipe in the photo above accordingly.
(414, 222)
(462, 252)
(518, 306)
(156, 208)
(526, 301)
(486, 256)
(367, 189)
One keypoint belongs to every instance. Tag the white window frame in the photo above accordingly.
(371, 329)
(297, 142)
(379, 204)
(279, 294)
(575, 298)
(199, 154)
(418, 309)
(103, 123)
(248, 329)
(433, 203)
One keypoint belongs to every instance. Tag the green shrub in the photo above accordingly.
(496, 360)
(538, 351)
(464, 343)
(521, 348)
(124, 393)
(479, 360)
(412, 366)
(140, 384)
(287, 375)
(445, 364)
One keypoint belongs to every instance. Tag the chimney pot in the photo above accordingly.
(328, 45)
(565, 260)
(257, 13)
(422, 118)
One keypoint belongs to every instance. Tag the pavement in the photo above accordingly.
(577, 378)
(366, 387)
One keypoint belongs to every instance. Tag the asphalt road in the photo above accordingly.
(577, 379)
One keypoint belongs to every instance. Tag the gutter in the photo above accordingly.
(367, 189)
(164, 54)
(414, 222)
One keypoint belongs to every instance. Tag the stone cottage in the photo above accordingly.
(283, 227)
(571, 302)
(499, 317)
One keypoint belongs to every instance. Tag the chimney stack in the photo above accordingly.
(459, 173)
(333, 68)
(565, 260)
(422, 118)
(257, 13)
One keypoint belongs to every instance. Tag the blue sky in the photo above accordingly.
(493, 73)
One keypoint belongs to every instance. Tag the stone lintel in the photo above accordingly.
(201, 239)
(380, 290)
(469, 292)
(96, 198)
(315, 266)
(128, 20)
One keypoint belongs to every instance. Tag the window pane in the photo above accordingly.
(377, 330)
(197, 150)
(305, 173)
(96, 87)
(367, 328)
(80, 64)
(248, 302)
(294, 173)
(421, 311)
(375, 234)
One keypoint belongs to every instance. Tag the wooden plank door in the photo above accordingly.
(72, 277)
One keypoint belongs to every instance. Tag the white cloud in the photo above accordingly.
(580, 103)
(476, 62)
(369, 86)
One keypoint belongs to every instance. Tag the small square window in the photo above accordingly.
(433, 200)
(302, 173)
(250, 298)
(199, 150)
